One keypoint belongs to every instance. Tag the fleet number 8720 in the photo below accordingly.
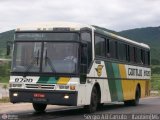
(23, 80)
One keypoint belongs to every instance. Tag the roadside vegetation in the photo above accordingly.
(155, 80)
(4, 100)
(4, 72)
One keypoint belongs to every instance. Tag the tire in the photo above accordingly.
(100, 105)
(134, 102)
(39, 107)
(93, 103)
(128, 103)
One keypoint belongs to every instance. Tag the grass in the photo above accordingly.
(4, 79)
(4, 100)
(155, 82)
(155, 94)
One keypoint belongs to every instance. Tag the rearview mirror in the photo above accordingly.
(9, 45)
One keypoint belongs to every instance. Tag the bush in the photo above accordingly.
(155, 62)
(156, 70)
(4, 72)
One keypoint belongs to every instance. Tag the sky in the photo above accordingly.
(116, 15)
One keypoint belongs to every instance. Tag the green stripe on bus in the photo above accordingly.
(118, 82)
(43, 80)
(48, 80)
(112, 84)
(52, 80)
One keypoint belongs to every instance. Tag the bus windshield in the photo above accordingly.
(45, 57)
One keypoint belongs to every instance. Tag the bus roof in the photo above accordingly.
(51, 25)
(74, 26)
(112, 35)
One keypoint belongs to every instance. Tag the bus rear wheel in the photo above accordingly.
(93, 103)
(134, 102)
(39, 107)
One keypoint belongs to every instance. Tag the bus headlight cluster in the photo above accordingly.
(13, 85)
(66, 96)
(67, 87)
(15, 94)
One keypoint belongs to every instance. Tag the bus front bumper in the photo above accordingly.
(43, 96)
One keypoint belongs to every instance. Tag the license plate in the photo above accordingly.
(39, 100)
(39, 95)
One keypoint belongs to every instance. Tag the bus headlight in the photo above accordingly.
(66, 87)
(13, 85)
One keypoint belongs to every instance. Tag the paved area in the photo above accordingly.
(148, 106)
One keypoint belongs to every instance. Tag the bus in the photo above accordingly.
(64, 63)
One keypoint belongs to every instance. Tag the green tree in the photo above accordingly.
(5, 87)
(155, 62)
(156, 70)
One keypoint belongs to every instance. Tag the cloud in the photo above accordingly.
(115, 14)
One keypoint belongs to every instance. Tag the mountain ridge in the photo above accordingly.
(147, 35)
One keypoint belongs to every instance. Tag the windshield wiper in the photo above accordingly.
(35, 60)
(48, 60)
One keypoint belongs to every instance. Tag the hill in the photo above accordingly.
(4, 37)
(149, 35)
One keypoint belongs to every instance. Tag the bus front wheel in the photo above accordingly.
(94, 101)
(39, 107)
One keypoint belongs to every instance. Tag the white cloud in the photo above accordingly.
(113, 14)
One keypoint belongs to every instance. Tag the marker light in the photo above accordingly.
(66, 97)
(72, 87)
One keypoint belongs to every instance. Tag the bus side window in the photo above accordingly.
(122, 51)
(142, 56)
(86, 38)
(147, 58)
(135, 54)
(132, 54)
(112, 48)
(127, 53)
(139, 56)
(99, 46)
(84, 54)
(107, 49)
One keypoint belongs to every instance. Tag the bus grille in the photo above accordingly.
(40, 86)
